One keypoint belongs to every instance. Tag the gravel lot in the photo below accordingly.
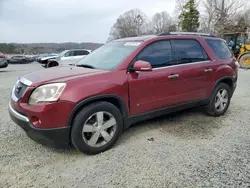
(188, 149)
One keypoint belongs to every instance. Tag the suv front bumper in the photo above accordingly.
(56, 137)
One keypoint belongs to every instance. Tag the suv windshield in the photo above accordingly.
(109, 56)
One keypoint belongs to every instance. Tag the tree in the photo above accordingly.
(226, 11)
(208, 18)
(161, 22)
(189, 17)
(7, 48)
(131, 23)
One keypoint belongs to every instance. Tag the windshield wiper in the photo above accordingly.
(86, 66)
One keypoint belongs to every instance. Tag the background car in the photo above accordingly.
(68, 57)
(2, 55)
(44, 59)
(19, 59)
(3, 62)
(31, 58)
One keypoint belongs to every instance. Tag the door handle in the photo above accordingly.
(172, 76)
(208, 70)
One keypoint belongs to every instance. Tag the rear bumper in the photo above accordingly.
(56, 138)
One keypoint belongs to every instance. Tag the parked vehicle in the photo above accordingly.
(68, 57)
(19, 59)
(44, 59)
(239, 42)
(31, 58)
(2, 55)
(124, 81)
(3, 62)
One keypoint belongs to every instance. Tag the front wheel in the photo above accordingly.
(96, 128)
(220, 100)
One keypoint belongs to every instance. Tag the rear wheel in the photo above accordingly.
(96, 128)
(245, 61)
(220, 100)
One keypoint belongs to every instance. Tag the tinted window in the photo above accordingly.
(188, 51)
(158, 54)
(81, 52)
(220, 49)
(68, 54)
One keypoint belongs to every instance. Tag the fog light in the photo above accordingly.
(35, 121)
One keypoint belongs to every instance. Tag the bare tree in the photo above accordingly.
(129, 24)
(208, 18)
(225, 12)
(179, 4)
(161, 22)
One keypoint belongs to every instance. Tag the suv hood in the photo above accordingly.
(59, 74)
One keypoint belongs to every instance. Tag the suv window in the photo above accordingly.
(81, 52)
(220, 49)
(158, 54)
(69, 53)
(188, 51)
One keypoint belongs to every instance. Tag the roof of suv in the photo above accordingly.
(148, 37)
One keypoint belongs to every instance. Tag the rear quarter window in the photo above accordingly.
(220, 48)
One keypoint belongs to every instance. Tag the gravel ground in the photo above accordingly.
(185, 149)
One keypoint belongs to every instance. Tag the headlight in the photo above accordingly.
(47, 93)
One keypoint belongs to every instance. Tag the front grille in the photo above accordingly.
(19, 90)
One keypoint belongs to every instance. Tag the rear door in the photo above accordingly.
(196, 71)
(159, 88)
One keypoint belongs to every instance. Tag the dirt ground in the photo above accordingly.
(188, 149)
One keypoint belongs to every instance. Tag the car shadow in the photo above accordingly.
(4, 71)
(187, 124)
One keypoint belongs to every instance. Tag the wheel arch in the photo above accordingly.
(227, 80)
(242, 55)
(113, 99)
(52, 61)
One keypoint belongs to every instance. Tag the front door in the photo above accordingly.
(67, 58)
(149, 91)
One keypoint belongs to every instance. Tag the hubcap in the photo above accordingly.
(246, 61)
(99, 129)
(221, 100)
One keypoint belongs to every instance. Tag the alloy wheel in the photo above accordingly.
(99, 129)
(221, 100)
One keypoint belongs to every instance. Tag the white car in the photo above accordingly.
(68, 57)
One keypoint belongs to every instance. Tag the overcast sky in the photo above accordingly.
(27, 21)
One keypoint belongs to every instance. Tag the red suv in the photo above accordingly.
(124, 81)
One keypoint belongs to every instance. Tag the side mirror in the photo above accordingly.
(142, 66)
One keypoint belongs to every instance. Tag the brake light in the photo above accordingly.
(3, 56)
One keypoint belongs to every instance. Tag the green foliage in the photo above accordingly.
(7, 48)
(189, 17)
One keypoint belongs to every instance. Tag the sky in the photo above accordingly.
(27, 21)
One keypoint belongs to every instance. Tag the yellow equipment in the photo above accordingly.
(239, 43)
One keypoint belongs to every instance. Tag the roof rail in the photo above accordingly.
(186, 33)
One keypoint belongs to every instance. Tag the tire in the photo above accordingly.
(81, 140)
(243, 61)
(52, 64)
(213, 109)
